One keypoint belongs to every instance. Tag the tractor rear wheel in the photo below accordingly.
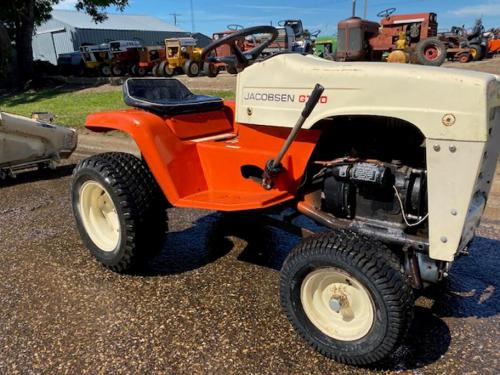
(191, 68)
(119, 209)
(347, 296)
(475, 52)
(210, 70)
(155, 70)
(117, 70)
(105, 70)
(431, 52)
(231, 69)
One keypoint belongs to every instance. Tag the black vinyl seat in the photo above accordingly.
(166, 96)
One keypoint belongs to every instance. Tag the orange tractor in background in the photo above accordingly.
(363, 40)
(149, 58)
(494, 42)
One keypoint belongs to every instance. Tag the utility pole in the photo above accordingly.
(365, 10)
(192, 16)
(175, 15)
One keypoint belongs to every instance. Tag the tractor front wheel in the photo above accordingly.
(165, 70)
(191, 68)
(117, 70)
(210, 70)
(431, 52)
(119, 210)
(464, 57)
(137, 71)
(346, 295)
(105, 70)
(475, 52)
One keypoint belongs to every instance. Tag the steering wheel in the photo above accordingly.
(386, 12)
(234, 27)
(238, 59)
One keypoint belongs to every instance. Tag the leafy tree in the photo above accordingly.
(20, 18)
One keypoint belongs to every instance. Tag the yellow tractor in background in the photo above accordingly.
(181, 53)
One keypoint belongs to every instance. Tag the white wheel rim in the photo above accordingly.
(337, 304)
(194, 69)
(106, 70)
(99, 216)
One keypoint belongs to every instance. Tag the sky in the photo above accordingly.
(214, 15)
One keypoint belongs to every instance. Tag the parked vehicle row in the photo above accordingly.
(401, 38)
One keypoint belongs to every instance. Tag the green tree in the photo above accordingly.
(20, 18)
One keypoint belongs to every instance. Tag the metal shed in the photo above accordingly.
(67, 30)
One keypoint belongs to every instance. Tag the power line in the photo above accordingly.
(192, 16)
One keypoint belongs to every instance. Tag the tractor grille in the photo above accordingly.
(433, 29)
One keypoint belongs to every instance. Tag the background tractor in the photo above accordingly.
(212, 69)
(180, 54)
(363, 40)
(457, 44)
(292, 37)
(477, 41)
(149, 58)
(97, 59)
(124, 55)
(326, 47)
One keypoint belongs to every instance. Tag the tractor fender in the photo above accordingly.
(155, 140)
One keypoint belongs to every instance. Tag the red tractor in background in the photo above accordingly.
(124, 55)
(413, 36)
(149, 58)
(212, 69)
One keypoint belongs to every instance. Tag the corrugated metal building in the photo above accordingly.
(67, 30)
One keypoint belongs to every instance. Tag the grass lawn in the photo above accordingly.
(71, 108)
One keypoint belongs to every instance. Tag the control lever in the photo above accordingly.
(273, 166)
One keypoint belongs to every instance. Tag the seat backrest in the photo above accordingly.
(156, 90)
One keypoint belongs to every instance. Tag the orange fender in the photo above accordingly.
(155, 140)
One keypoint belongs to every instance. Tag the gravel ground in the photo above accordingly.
(208, 303)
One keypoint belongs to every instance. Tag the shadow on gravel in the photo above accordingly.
(473, 287)
(428, 340)
(187, 250)
(38, 175)
(208, 240)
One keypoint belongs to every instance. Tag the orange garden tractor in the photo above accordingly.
(396, 183)
(363, 40)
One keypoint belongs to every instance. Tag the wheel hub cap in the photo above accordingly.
(337, 304)
(431, 53)
(99, 216)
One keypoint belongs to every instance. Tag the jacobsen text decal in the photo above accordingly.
(277, 97)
